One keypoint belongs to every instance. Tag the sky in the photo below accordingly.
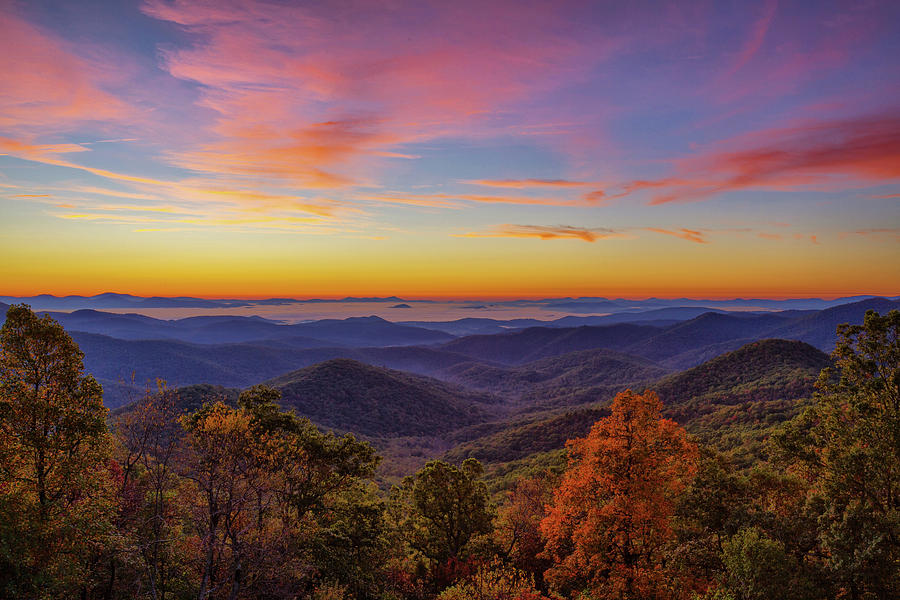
(442, 149)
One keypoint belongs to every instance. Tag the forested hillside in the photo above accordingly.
(351, 396)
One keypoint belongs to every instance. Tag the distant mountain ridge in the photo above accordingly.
(115, 300)
(354, 331)
(240, 351)
(531, 344)
(678, 346)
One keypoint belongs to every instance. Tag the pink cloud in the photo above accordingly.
(316, 95)
(755, 40)
(47, 86)
(804, 155)
(784, 51)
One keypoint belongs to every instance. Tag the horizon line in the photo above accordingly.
(467, 298)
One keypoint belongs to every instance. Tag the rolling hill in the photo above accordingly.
(523, 438)
(705, 330)
(192, 397)
(348, 395)
(760, 371)
(544, 382)
(483, 362)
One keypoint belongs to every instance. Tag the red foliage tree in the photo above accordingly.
(610, 523)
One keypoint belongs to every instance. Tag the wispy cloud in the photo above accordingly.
(213, 195)
(314, 95)
(530, 183)
(691, 235)
(755, 39)
(546, 232)
(446, 200)
(47, 86)
(891, 232)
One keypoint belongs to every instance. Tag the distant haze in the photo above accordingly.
(299, 310)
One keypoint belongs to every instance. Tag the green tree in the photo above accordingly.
(757, 566)
(55, 491)
(449, 508)
(847, 445)
(281, 509)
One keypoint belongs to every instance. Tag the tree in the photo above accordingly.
(439, 513)
(518, 526)
(847, 445)
(757, 566)
(281, 509)
(148, 440)
(320, 482)
(55, 492)
(228, 463)
(610, 522)
(494, 581)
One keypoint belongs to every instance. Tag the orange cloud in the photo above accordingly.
(769, 236)
(690, 235)
(545, 232)
(877, 231)
(297, 157)
(49, 155)
(210, 194)
(595, 197)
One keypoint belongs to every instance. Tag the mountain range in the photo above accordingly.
(240, 351)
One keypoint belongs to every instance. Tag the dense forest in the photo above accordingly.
(731, 480)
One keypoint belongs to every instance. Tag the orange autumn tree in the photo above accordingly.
(611, 518)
